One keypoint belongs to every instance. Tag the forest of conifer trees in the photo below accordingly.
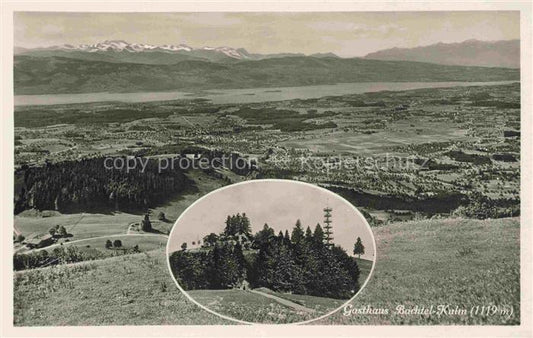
(87, 184)
(300, 262)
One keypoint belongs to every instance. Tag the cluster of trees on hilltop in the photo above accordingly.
(87, 184)
(299, 262)
(222, 267)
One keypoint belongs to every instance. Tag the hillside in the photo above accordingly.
(56, 75)
(467, 53)
(150, 57)
(457, 262)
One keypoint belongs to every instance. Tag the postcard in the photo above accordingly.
(248, 169)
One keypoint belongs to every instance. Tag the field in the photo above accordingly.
(133, 289)
(321, 305)
(249, 306)
(455, 262)
(255, 306)
(451, 262)
(172, 209)
(365, 266)
(79, 225)
(144, 242)
(410, 131)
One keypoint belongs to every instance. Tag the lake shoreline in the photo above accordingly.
(236, 96)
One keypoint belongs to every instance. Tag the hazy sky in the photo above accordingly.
(344, 33)
(279, 204)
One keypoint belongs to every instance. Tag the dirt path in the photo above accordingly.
(74, 225)
(284, 301)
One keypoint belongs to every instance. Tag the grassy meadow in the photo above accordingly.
(321, 305)
(248, 306)
(365, 266)
(126, 290)
(454, 262)
(411, 131)
(80, 225)
(144, 242)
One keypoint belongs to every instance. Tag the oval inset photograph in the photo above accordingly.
(271, 251)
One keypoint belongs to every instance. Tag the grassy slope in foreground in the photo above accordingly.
(252, 307)
(418, 263)
(451, 262)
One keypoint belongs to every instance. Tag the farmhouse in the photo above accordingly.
(243, 239)
(244, 285)
(40, 241)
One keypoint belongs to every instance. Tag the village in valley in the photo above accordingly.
(397, 155)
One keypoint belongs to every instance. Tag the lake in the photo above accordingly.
(242, 95)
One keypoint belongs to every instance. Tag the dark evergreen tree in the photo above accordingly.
(210, 240)
(230, 230)
(297, 237)
(228, 222)
(318, 235)
(240, 261)
(264, 236)
(237, 225)
(287, 238)
(189, 269)
(284, 274)
(227, 268)
(280, 237)
(62, 232)
(146, 225)
(358, 248)
(308, 235)
(244, 226)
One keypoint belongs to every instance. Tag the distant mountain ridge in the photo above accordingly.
(59, 75)
(122, 51)
(504, 53)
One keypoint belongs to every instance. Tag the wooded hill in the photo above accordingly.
(87, 184)
(300, 262)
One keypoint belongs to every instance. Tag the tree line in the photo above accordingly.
(59, 255)
(86, 184)
(299, 262)
(69, 254)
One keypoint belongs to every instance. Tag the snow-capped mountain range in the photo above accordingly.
(466, 53)
(123, 46)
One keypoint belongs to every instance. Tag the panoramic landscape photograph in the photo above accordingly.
(297, 253)
(123, 121)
